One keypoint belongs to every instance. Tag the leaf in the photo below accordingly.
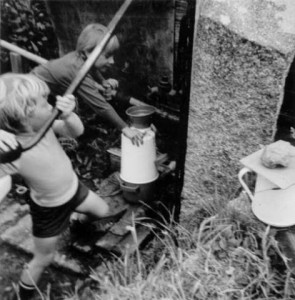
(247, 242)
(89, 165)
(20, 29)
(87, 175)
(40, 26)
(223, 244)
(34, 47)
(79, 159)
(24, 39)
(23, 16)
(230, 271)
(77, 171)
(15, 21)
(13, 11)
(234, 242)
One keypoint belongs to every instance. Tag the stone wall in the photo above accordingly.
(241, 56)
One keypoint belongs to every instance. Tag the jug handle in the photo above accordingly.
(161, 159)
(242, 173)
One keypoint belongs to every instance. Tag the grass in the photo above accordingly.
(223, 258)
(226, 256)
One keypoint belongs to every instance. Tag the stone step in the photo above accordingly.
(20, 237)
(11, 213)
(111, 240)
(133, 241)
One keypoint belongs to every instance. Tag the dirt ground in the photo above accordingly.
(12, 262)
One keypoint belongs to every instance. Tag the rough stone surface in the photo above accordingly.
(269, 23)
(236, 91)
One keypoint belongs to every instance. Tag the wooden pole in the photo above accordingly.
(37, 59)
(16, 62)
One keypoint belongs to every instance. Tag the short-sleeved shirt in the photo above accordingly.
(59, 74)
(47, 170)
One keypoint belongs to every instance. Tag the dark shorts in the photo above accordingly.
(52, 221)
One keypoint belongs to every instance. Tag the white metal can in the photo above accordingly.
(138, 162)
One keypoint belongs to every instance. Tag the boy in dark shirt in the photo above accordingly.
(59, 73)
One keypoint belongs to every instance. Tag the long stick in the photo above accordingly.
(37, 59)
(82, 72)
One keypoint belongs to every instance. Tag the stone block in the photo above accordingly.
(20, 237)
(11, 213)
(236, 93)
(132, 242)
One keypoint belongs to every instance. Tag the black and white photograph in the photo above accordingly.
(147, 149)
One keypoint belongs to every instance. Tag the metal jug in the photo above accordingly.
(139, 172)
(138, 162)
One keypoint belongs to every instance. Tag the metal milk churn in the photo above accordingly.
(138, 171)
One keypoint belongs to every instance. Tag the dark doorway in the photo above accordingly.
(286, 120)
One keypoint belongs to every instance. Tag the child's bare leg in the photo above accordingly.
(43, 255)
(93, 206)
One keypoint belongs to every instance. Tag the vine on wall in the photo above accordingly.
(27, 25)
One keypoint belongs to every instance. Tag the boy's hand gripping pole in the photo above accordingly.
(7, 157)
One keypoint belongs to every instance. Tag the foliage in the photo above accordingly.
(221, 259)
(228, 256)
(27, 24)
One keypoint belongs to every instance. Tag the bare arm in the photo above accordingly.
(70, 127)
(7, 141)
(69, 124)
(5, 186)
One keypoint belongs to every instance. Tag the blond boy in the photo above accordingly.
(55, 191)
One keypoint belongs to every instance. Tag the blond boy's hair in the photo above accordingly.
(91, 36)
(19, 94)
